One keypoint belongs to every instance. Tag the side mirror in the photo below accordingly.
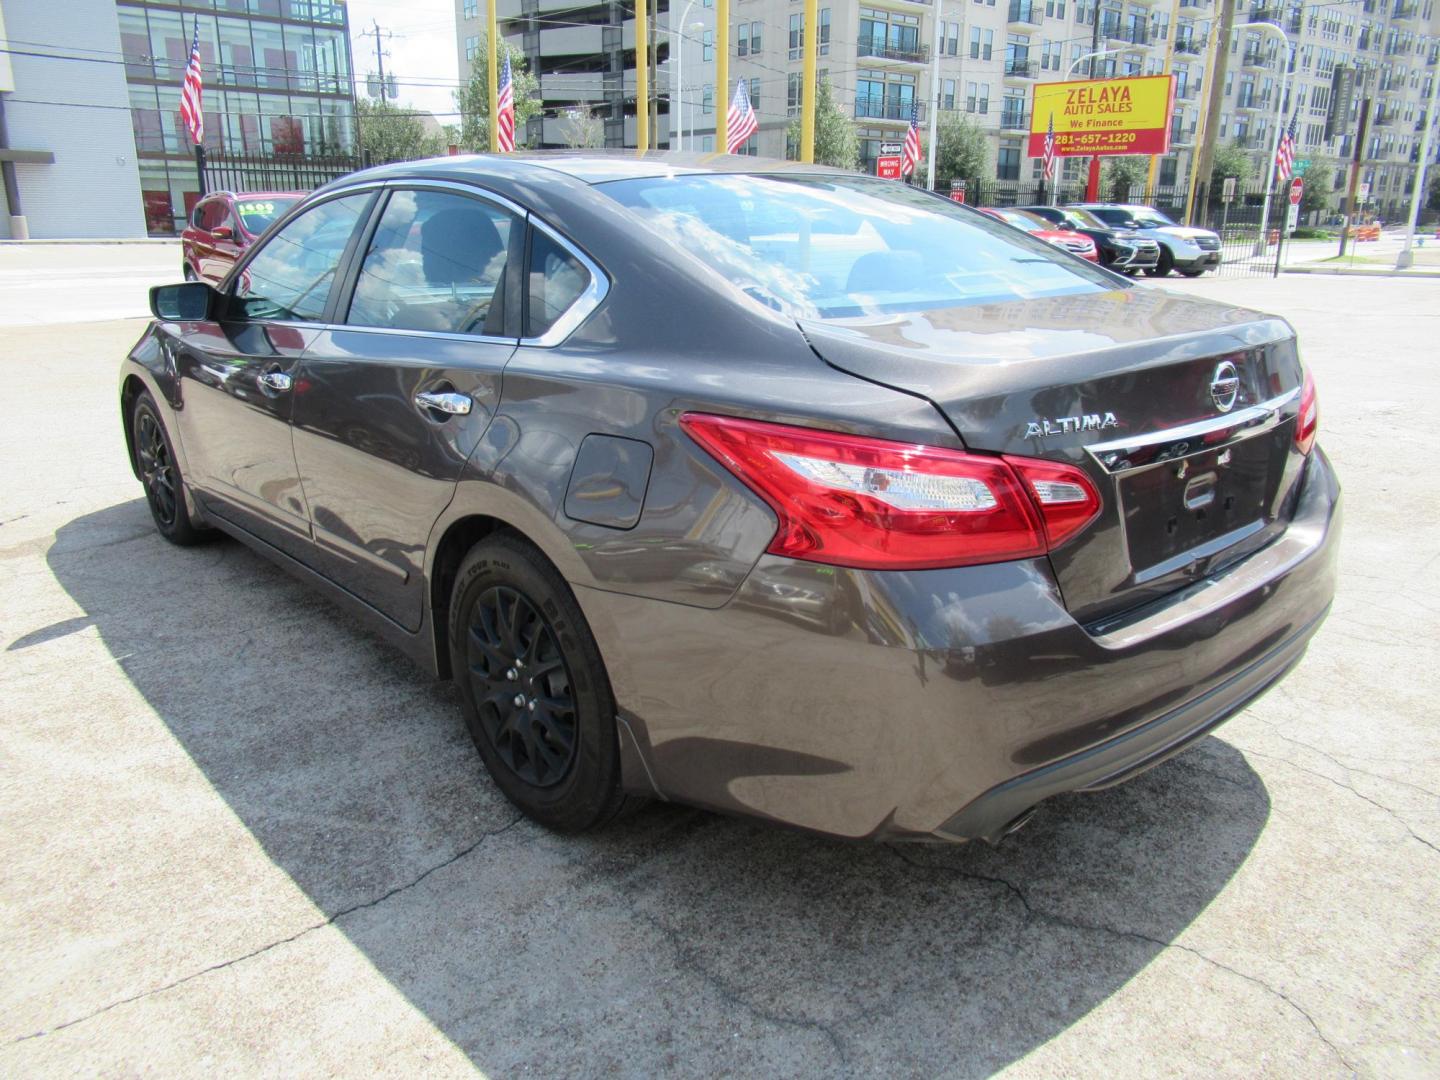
(222, 232)
(191, 301)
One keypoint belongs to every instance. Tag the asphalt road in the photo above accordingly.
(241, 837)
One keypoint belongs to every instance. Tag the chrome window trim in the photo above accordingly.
(584, 305)
(1174, 443)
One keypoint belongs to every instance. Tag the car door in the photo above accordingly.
(237, 374)
(399, 392)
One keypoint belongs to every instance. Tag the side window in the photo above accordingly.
(217, 212)
(437, 262)
(557, 280)
(290, 277)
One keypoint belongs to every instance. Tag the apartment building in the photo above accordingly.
(877, 56)
(277, 81)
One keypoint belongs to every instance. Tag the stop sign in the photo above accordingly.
(1297, 188)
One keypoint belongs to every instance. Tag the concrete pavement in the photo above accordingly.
(240, 836)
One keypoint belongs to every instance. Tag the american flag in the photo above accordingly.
(1285, 152)
(740, 121)
(192, 113)
(1050, 148)
(910, 151)
(505, 110)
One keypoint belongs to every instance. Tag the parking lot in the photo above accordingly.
(241, 836)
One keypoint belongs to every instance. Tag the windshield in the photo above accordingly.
(841, 246)
(257, 214)
(1083, 219)
(1019, 220)
(1150, 218)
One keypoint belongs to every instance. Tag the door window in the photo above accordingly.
(290, 276)
(437, 262)
(557, 280)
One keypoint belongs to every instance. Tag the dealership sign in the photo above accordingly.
(1103, 116)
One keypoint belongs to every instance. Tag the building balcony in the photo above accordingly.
(1385, 117)
(1255, 58)
(1025, 12)
(1268, 14)
(1014, 120)
(1190, 46)
(919, 54)
(1255, 103)
(868, 107)
(1189, 92)
(1405, 11)
(1246, 141)
(1022, 69)
(1112, 29)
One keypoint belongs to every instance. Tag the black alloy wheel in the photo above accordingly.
(521, 687)
(160, 474)
(534, 690)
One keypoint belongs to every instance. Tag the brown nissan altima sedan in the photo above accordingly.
(754, 485)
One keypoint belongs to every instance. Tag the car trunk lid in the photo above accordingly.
(1133, 385)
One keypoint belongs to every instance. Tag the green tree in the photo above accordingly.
(835, 140)
(1433, 202)
(1124, 178)
(394, 132)
(583, 128)
(1231, 160)
(961, 152)
(472, 100)
(1319, 188)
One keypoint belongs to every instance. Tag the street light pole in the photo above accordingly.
(934, 98)
(677, 50)
(1287, 59)
(1407, 256)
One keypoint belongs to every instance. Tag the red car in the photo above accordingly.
(223, 225)
(1074, 242)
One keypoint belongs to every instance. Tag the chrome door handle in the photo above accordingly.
(452, 403)
(277, 381)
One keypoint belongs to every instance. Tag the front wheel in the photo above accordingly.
(533, 688)
(1191, 273)
(1164, 266)
(160, 473)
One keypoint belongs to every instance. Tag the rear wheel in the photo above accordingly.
(1192, 273)
(160, 473)
(1164, 266)
(533, 688)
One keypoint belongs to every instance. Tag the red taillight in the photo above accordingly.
(854, 501)
(1307, 421)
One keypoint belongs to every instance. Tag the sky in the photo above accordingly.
(421, 47)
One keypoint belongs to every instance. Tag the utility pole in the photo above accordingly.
(1356, 159)
(1205, 159)
(1169, 62)
(809, 36)
(654, 75)
(722, 74)
(1406, 258)
(379, 36)
(1092, 184)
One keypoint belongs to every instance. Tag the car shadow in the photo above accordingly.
(676, 940)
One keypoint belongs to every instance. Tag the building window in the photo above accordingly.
(472, 9)
(707, 100)
(742, 39)
(707, 143)
(793, 83)
(755, 38)
(947, 94)
(977, 98)
(472, 46)
(982, 43)
(755, 95)
(1007, 164)
(822, 35)
(707, 50)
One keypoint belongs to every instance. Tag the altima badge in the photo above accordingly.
(1065, 425)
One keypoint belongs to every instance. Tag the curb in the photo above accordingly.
(147, 240)
(1360, 272)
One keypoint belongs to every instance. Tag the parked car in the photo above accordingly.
(1075, 242)
(223, 225)
(1183, 248)
(1123, 250)
(750, 484)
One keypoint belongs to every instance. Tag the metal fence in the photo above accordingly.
(225, 171)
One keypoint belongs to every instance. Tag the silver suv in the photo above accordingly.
(1183, 248)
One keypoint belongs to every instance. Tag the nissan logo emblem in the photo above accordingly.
(1225, 386)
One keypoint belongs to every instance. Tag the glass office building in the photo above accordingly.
(277, 83)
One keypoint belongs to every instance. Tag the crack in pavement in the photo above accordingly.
(451, 860)
(1033, 912)
(1275, 730)
(1346, 787)
(689, 961)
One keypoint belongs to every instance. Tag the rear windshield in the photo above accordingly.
(836, 247)
(257, 214)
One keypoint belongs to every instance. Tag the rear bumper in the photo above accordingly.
(943, 704)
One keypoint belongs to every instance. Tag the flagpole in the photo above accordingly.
(199, 143)
(491, 76)
(934, 98)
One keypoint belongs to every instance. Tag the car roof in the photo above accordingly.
(595, 166)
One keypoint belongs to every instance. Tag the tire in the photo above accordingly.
(1131, 271)
(160, 475)
(1192, 273)
(1164, 266)
(511, 614)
